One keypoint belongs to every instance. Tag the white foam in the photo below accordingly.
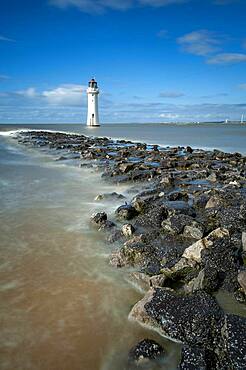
(8, 133)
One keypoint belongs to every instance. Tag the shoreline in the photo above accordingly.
(188, 213)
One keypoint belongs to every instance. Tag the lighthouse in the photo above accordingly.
(92, 93)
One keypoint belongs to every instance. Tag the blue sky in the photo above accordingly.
(155, 60)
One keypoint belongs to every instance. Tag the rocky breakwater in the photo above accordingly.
(183, 236)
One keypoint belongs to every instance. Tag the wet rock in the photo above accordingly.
(109, 196)
(99, 218)
(179, 206)
(145, 351)
(189, 149)
(193, 253)
(189, 319)
(126, 167)
(213, 202)
(177, 195)
(153, 217)
(142, 202)
(126, 212)
(134, 251)
(127, 230)
(106, 225)
(176, 224)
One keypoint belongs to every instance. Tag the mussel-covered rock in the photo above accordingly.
(190, 319)
(145, 351)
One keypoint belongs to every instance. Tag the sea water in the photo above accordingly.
(61, 305)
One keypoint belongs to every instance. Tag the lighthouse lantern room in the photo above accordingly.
(92, 93)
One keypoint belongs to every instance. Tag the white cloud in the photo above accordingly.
(227, 58)
(68, 94)
(159, 3)
(225, 2)
(94, 6)
(201, 42)
(29, 93)
(4, 77)
(4, 38)
(169, 115)
(171, 94)
(99, 6)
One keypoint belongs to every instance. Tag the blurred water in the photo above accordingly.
(62, 306)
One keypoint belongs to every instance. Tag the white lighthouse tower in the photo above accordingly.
(92, 115)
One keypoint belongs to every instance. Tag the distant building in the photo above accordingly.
(92, 93)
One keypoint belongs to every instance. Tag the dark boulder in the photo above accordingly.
(190, 319)
(126, 212)
(145, 350)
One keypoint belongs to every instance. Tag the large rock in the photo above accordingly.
(152, 218)
(194, 252)
(190, 319)
(215, 257)
(99, 218)
(212, 340)
(126, 212)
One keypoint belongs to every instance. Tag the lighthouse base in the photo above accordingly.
(94, 125)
